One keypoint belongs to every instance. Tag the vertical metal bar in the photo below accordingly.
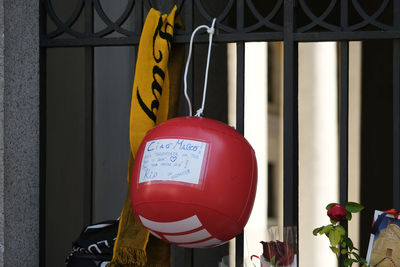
(188, 17)
(240, 67)
(88, 135)
(396, 124)
(188, 258)
(42, 136)
(240, 15)
(344, 14)
(396, 14)
(88, 100)
(137, 24)
(344, 120)
(139, 16)
(240, 54)
(344, 106)
(191, 72)
(344, 130)
(396, 111)
(344, 116)
(290, 120)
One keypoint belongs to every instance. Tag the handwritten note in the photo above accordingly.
(172, 160)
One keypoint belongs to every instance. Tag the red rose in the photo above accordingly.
(287, 254)
(270, 250)
(283, 253)
(337, 212)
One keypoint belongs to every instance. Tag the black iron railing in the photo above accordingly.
(240, 21)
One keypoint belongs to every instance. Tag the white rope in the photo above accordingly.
(210, 31)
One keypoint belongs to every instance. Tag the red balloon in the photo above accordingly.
(193, 182)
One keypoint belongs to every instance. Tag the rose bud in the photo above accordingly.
(286, 254)
(337, 212)
(270, 250)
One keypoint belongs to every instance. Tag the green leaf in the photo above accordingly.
(326, 229)
(349, 243)
(358, 257)
(317, 230)
(335, 237)
(340, 230)
(344, 251)
(330, 205)
(364, 265)
(331, 237)
(334, 222)
(353, 207)
(348, 262)
(335, 250)
(349, 216)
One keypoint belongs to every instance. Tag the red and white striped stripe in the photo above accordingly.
(188, 232)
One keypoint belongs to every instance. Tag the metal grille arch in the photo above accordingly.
(88, 25)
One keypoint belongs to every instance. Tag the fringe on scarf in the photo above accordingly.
(129, 257)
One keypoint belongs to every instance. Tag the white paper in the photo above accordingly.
(178, 160)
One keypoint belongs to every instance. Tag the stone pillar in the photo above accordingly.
(19, 132)
(318, 148)
(255, 131)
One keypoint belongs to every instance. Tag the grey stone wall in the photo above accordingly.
(19, 147)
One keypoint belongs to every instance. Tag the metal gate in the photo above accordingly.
(240, 21)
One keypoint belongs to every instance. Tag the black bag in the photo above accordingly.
(94, 247)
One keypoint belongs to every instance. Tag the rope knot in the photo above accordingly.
(211, 31)
(199, 112)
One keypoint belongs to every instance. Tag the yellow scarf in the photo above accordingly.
(154, 99)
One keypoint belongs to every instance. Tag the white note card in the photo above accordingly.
(178, 160)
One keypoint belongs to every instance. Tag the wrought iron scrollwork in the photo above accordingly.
(67, 27)
(366, 19)
(221, 17)
(261, 19)
(164, 6)
(114, 26)
(238, 20)
(318, 20)
(64, 27)
(371, 20)
(266, 21)
(263, 22)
